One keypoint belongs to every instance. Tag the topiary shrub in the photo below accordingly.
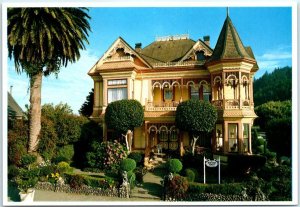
(63, 167)
(127, 165)
(136, 156)
(174, 165)
(59, 159)
(131, 179)
(13, 171)
(190, 174)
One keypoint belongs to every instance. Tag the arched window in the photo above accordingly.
(206, 93)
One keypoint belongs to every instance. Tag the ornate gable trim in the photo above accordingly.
(120, 43)
(198, 46)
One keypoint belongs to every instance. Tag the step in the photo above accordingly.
(138, 192)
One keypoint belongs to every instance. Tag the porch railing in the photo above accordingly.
(161, 106)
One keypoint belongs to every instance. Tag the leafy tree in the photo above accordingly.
(272, 110)
(275, 86)
(87, 107)
(67, 125)
(41, 41)
(275, 118)
(196, 117)
(123, 116)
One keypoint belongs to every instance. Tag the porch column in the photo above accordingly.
(250, 138)
(225, 135)
(223, 82)
(240, 84)
(240, 138)
(98, 96)
(104, 93)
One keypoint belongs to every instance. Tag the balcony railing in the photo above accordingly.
(231, 104)
(161, 106)
(178, 64)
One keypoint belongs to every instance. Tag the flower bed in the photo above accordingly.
(88, 190)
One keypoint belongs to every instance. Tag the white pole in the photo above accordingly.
(204, 169)
(219, 171)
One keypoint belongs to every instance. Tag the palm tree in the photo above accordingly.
(41, 41)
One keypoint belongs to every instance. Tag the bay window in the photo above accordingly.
(233, 137)
(246, 137)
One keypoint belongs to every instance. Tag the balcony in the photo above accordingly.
(161, 106)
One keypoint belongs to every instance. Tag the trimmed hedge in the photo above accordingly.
(224, 189)
(136, 156)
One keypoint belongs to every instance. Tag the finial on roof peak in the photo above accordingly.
(227, 11)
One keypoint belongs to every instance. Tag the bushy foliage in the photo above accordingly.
(17, 139)
(27, 160)
(76, 181)
(124, 115)
(191, 174)
(63, 167)
(174, 165)
(90, 132)
(127, 165)
(67, 125)
(86, 108)
(106, 155)
(48, 139)
(195, 116)
(224, 189)
(275, 86)
(276, 119)
(272, 110)
(66, 151)
(177, 187)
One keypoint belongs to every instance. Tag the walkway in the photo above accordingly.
(150, 191)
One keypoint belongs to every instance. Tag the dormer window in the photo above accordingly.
(200, 56)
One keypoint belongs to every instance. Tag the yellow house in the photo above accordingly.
(173, 69)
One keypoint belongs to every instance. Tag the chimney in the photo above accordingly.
(138, 47)
(10, 90)
(206, 40)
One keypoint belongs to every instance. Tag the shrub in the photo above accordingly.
(59, 159)
(46, 170)
(224, 189)
(131, 179)
(240, 164)
(136, 156)
(127, 165)
(17, 139)
(63, 167)
(190, 174)
(76, 181)
(106, 155)
(13, 171)
(48, 139)
(174, 165)
(177, 187)
(66, 152)
(28, 159)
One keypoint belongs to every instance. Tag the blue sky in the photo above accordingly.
(268, 30)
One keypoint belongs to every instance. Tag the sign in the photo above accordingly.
(211, 163)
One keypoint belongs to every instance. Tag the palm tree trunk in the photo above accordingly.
(35, 111)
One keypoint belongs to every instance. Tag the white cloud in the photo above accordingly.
(271, 59)
(71, 86)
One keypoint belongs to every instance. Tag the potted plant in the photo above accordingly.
(26, 188)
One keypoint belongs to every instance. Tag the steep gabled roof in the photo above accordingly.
(167, 51)
(250, 52)
(229, 44)
(14, 106)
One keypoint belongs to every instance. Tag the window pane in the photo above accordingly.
(232, 137)
(115, 94)
(194, 93)
(246, 137)
(168, 94)
(219, 137)
(206, 93)
(117, 82)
